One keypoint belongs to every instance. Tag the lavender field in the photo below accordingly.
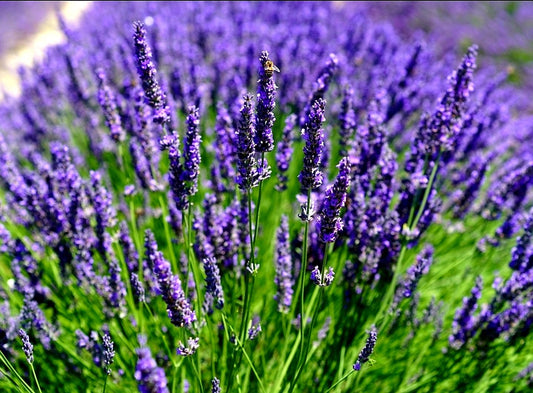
(271, 197)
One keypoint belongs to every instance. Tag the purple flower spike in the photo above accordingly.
(248, 176)
(329, 222)
(326, 281)
(310, 177)
(347, 120)
(266, 91)
(175, 169)
(148, 74)
(190, 349)
(191, 160)
(521, 259)
(255, 329)
(215, 385)
(464, 323)
(213, 285)
(284, 152)
(415, 272)
(109, 353)
(151, 379)
(321, 85)
(27, 347)
(284, 276)
(367, 350)
(178, 307)
(108, 102)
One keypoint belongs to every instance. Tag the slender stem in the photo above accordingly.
(258, 202)
(303, 269)
(313, 320)
(105, 384)
(159, 332)
(187, 239)
(248, 285)
(14, 371)
(197, 373)
(164, 212)
(344, 378)
(37, 380)
(411, 223)
(241, 346)
(174, 380)
(426, 193)
(9, 378)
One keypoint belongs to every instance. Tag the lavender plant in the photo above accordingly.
(327, 198)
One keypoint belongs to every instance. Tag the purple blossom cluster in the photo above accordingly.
(82, 179)
(169, 285)
(101, 347)
(150, 377)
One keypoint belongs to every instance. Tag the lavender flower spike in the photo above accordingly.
(171, 143)
(368, 349)
(284, 152)
(108, 102)
(109, 353)
(151, 378)
(248, 176)
(415, 272)
(148, 74)
(329, 221)
(310, 177)
(213, 285)
(326, 281)
(215, 385)
(27, 346)
(178, 307)
(464, 323)
(255, 329)
(191, 159)
(284, 278)
(190, 349)
(266, 91)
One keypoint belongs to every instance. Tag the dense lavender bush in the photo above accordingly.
(265, 197)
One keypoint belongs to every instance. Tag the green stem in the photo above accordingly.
(411, 224)
(344, 378)
(105, 383)
(159, 332)
(164, 212)
(187, 241)
(197, 373)
(426, 193)
(241, 346)
(36, 379)
(6, 375)
(14, 372)
(313, 320)
(301, 285)
(258, 203)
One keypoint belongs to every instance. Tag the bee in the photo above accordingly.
(269, 67)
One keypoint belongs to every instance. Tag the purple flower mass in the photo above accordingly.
(310, 177)
(266, 90)
(284, 274)
(145, 247)
(150, 377)
(178, 306)
(148, 75)
(367, 350)
(248, 176)
(330, 223)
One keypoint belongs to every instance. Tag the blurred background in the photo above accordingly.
(503, 30)
(27, 28)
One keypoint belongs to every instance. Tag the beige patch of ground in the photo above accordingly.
(34, 46)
